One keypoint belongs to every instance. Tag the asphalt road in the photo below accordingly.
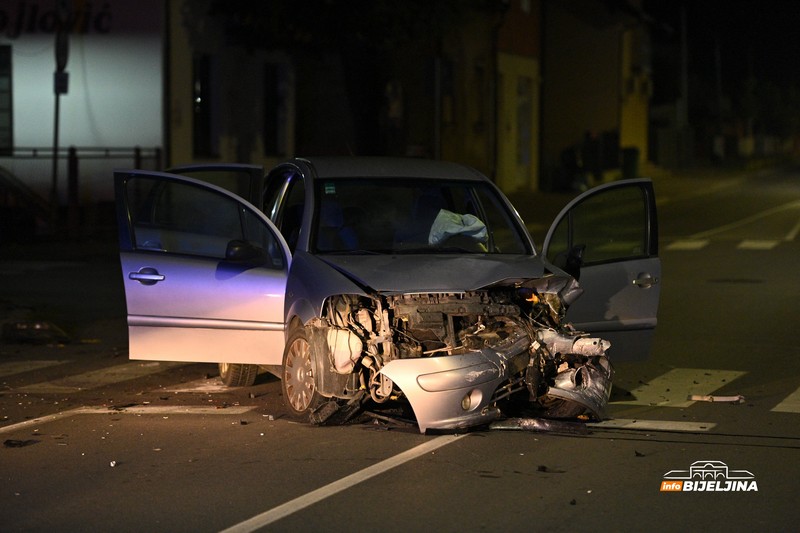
(95, 442)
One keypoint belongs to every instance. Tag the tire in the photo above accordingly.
(298, 376)
(237, 375)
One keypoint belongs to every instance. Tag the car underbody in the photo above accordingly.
(460, 359)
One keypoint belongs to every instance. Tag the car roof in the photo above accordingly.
(390, 167)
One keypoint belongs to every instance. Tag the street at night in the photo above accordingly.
(95, 441)
(429, 265)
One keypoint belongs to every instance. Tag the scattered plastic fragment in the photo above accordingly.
(112, 464)
(716, 399)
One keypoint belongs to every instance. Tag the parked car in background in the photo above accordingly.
(369, 281)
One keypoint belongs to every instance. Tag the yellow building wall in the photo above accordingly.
(240, 101)
(179, 80)
(518, 94)
(634, 98)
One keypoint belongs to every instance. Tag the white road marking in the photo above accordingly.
(97, 378)
(752, 244)
(790, 404)
(18, 367)
(268, 517)
(747, 220)
(136, 410)
(674, 387)
(206, 386)
(792, 235)
(688, 244)
(652, 425)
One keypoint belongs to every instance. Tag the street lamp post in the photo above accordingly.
(60, 86)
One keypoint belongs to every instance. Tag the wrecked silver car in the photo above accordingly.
(364, 282)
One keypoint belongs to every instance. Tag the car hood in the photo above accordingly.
(433, 273)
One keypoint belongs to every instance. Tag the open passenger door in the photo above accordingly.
(608, 239)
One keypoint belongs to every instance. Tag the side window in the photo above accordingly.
(611, 226)
(181, 218)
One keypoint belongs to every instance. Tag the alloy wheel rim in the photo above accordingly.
(298, 376)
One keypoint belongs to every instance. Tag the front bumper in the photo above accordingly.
(455, 391)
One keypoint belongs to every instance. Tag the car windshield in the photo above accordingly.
(400, 215)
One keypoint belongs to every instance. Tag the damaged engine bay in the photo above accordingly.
(460, 359)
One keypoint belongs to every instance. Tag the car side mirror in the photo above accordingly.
(243, 251)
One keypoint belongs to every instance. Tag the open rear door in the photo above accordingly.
(608, 238)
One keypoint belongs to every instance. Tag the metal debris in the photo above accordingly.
(34, 332)
(541, 425)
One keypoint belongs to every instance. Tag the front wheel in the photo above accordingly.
(299, 381)
(237, 375)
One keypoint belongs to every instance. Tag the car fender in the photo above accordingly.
(311, 281)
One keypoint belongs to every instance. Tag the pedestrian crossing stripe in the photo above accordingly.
(673, 388)
(757, 245)
(689, 244)
(790, 404)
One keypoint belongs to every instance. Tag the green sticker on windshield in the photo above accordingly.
(330, 188)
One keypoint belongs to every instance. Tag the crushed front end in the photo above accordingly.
(465, 359)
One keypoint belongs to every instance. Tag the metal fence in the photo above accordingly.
(65, 192)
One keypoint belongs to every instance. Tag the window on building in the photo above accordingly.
(6, 103)
(204, 136)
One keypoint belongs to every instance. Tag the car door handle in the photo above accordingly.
(645, 281)
(147, 276)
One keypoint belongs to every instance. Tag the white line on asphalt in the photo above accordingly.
(292, 506)
(652, 425)
(790, 404)
(18, 367)
(792, 235)
(747, 220)
(135, 410)
(203, 385)
(97, 378)
(753, 244)
(686, 244)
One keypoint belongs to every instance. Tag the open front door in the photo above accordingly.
(608, 238)
(204, 272)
